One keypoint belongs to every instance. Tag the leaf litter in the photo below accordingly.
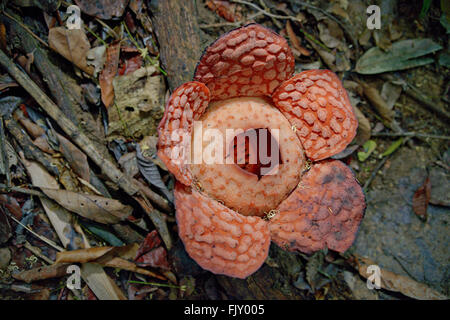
(117, 52)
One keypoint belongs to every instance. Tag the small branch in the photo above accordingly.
(380, 166)
(330, 16)
(85, 144)
(414, 93)
(30, 192)
(276, 16)
(231, 24)
(374, 173)
(30, 150)
(38, 253)
(410, 134)
(42, 238)
(4, 153)
(26, 28)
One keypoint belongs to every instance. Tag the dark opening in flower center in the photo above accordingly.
(256, 151)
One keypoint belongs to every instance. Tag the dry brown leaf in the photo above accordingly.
(36, 131)
(100, 283)
(108, 73)
(138, 93)
(229, 11)
(295, 40)
(59, 217)
(377, 102)
(33, 129)
(2, 36)
(331, 34)
(157, 219)
(5, 227)
(96, 57)
(72, 44)
(421, 199)
(94, 275)
(81, 255)
(327, 57)
(398, 283)
(41, 273)
(364, 131)
(42, 143)
(151, 252)
(114, 257)
(76, 158)
(390, 93)
(130, 266)
(93, 207)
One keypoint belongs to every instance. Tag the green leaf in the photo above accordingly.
(103, 234)
(369, 147)
(444, 60)
(394, 146)
(445, 23)
(403, 55)
(425, 8)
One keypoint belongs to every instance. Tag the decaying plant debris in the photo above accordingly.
(81, 182)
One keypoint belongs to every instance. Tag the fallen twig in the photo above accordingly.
(37, 253)
(292, 18)
(230, 24)
(26, 29)
(42, 238)
(414, 93)
(381, 165)
(3, 151)
(6, 188)
(410, 134)
(374, 173)
(30, 150)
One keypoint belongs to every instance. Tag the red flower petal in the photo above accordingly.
(324, 211)
(217, 238)
(247, 61)
(318, 105)
(186, 104)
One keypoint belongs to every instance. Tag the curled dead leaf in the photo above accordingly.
(421, 199)
(41, 273)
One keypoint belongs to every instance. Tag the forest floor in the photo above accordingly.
(110, 80)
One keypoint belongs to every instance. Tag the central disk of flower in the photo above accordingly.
(245, 154)
(256, 151)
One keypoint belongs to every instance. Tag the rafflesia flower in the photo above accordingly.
(227, 214)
